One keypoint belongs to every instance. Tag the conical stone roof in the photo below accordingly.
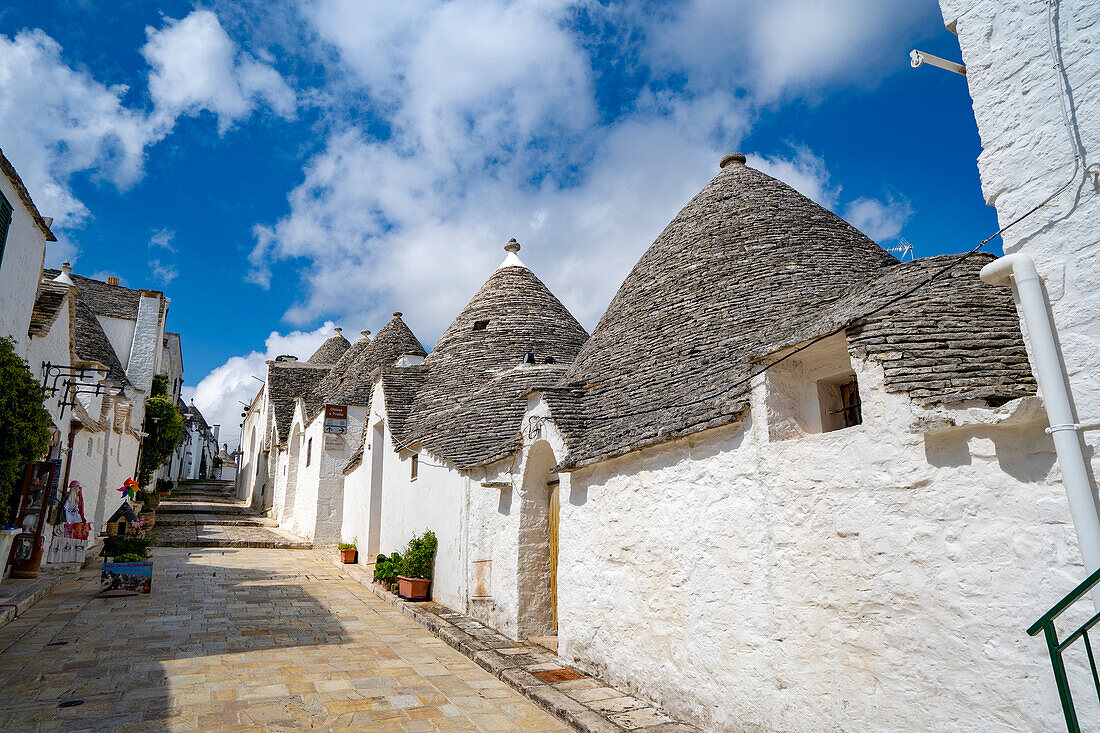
(349, 382)
(331, 350)
(745, 255)
(512, 315)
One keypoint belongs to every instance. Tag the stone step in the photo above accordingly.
(177, 521)
(204, 508)
(275, 544)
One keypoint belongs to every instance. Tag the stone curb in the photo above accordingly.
(505, 667)
(28, 598)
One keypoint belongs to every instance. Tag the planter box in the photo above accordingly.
(125, 578)
(413, 589)
(348, 556)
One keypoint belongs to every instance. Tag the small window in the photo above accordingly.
(481, 325)
(415, 471)
(309, 450)
(5, 224)
(840, 406)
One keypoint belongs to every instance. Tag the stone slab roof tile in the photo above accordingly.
(350, 381)
(485, 427)
(286, 382)
(468, 403)
(92, 343)
(47, 306)
(109, 301)
(331, 350)
(746, 252)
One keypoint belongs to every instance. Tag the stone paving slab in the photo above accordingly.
(265, 640)
(17, 595)
(212, 535)
(581, 700)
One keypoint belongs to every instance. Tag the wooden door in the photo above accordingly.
(554, 510)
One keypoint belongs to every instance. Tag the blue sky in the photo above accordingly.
(278, 167)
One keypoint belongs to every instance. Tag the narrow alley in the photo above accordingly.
(245, 629)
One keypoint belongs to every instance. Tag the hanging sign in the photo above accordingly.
(334, 442)
(336, 419)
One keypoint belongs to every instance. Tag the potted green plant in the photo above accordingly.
(148, 516)
(414, 578)
(126, 567)
(385, 569)
(347, 552)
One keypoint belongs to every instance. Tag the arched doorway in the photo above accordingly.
(538, 544)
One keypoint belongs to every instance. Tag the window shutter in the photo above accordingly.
(5, 224)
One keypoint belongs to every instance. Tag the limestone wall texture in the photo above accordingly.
(1027, 155)
(873, 578)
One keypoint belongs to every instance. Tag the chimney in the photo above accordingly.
(112, 281)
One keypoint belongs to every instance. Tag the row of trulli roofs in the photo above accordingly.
(96, 345)
(771, 469)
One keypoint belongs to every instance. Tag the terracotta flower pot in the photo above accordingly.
(413, 589)
(148, 519)
(347, 556)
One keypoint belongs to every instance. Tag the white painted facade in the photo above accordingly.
(878, 577)
(1028, 155)
(21, 263)
(312, 503)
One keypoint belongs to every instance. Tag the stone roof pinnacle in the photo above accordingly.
(64, 276)
(512, 260)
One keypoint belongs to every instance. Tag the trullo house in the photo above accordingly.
(788, 483)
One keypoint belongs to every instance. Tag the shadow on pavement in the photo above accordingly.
(210, 618)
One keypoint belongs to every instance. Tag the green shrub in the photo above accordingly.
(386, 568)
(24, 423)
(346, 546)
(130, 557)
(419, 556)
(127, 546)
(164, 430)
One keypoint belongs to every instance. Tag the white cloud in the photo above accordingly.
(220, 393)
(805, 172)
(56, 121)
(380, 230)
(879, 220)
(197, 67)
(162, 273)
(163, 238)
(783, 47)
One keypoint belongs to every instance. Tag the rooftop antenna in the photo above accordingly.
(902, 249)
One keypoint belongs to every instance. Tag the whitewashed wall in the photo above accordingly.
(120, 332)
(317, 510)
(872, 578)
(20, 270)
(436, 500)
(1027, 155)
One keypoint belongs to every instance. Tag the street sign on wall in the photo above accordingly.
(336, 419)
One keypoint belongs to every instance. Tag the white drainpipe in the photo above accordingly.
(1018, 270)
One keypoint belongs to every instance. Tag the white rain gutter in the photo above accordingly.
(1018, 271)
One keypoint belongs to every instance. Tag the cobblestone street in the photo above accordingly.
(242, 639)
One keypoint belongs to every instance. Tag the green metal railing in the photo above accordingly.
(1055, 647)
